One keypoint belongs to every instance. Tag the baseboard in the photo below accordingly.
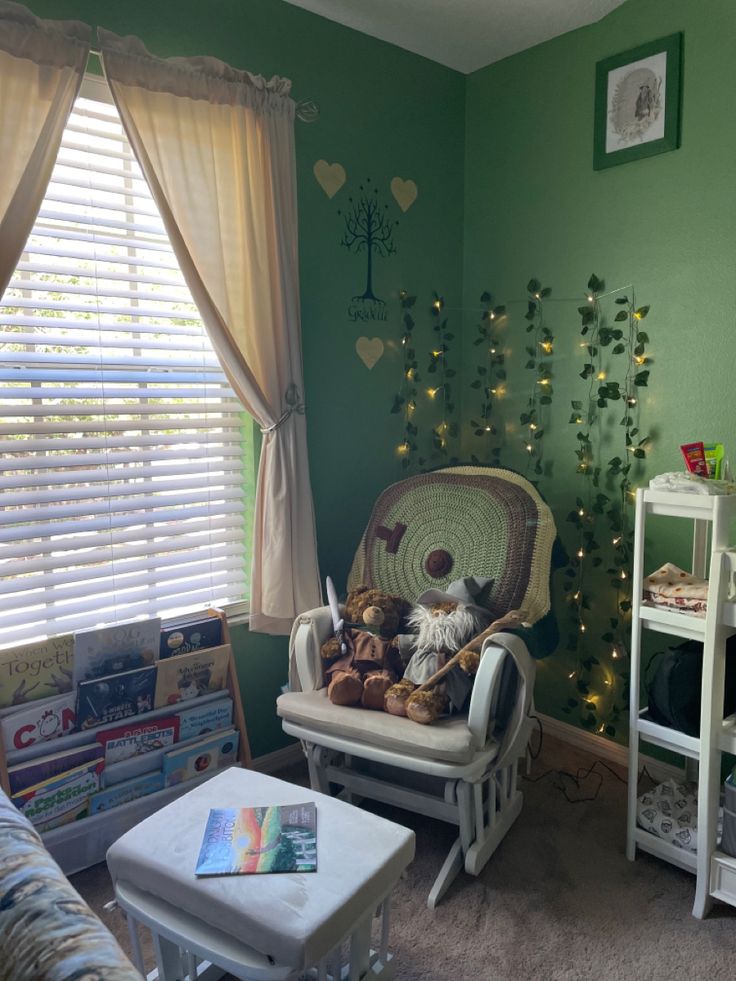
(605, 749)
(278, 759)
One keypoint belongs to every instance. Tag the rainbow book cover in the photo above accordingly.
(247, 840)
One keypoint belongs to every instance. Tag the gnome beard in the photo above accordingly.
(444, 628)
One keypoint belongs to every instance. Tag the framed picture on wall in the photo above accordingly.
(637, 103)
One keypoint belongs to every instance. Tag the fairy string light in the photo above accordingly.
(534, 419)
(491, 378)
(406, 399)
(601, 710)
(440, 387)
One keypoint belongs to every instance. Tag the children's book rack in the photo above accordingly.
(84, 842)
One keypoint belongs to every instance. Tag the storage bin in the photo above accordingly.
(728, 841)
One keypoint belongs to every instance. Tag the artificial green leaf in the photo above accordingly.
(533, 286)
(642, 312)
(621, 315)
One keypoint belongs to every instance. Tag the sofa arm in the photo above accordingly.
(308, 634)
(46, 928)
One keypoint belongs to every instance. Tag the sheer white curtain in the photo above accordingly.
(217, 148)
(41, 68)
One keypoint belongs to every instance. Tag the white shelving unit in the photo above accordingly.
(711, 516)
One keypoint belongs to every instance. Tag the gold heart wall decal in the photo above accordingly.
(370, 350)
(330, 177)
(405, 192)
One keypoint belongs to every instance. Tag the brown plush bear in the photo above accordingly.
(371, 663)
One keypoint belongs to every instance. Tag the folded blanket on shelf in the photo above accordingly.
(673, 588)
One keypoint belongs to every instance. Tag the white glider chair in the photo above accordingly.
(425, 532)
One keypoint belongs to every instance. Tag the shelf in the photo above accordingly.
(683, 625)
(663, 849)
(82, 843)
(723, 877)
(667, 738)
(699, 507)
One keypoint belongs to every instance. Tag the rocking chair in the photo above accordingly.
(424, 532)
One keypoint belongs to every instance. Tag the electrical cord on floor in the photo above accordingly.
(566, 781)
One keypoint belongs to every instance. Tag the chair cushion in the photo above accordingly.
(448, 739)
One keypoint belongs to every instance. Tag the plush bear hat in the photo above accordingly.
(462, 591)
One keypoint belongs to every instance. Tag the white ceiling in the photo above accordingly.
(462, 34)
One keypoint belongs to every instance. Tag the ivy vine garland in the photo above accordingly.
(491, 375)
(535, 418)
(442, 372)
(607, 495)
(406, 399)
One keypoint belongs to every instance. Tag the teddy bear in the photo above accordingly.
(451, 628)
(370, 662)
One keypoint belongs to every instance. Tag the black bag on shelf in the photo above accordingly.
(674, 691)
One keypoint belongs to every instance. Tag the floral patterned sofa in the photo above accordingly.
(47, 931)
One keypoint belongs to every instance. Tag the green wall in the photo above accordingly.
(534, 206)
(384, 113)
(503, 162)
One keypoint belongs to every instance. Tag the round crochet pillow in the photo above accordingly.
(431, 529)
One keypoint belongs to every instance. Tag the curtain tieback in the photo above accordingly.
(294, 404)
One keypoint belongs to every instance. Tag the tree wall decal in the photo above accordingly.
(369, 229)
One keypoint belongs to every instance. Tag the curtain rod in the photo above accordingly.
(307, 110)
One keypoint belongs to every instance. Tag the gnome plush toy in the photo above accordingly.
(444, 623)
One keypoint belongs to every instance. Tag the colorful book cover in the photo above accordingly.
(111, 650)
(116, 697)
(201, 719)
(44, 768)
(37, 670)
(40, 721)
(241, 841)
(62, 799)
(208, 754)
(190, 635)
(137, 738)
(188, 676)
(122, 793)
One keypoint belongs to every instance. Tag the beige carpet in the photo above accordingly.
(557, 901)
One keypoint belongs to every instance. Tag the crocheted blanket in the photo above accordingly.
(431, 529)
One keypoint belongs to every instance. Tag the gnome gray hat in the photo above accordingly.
(460, 591)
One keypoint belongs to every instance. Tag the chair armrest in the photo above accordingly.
(484, 698)
(485, 686)
(308, 634)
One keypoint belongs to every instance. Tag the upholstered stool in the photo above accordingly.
(271, 926)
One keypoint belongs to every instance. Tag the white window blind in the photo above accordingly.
(124, 455)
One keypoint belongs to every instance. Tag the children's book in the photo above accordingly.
(192, 634)
(110, 650)
(37, 670)
(208, 754)
(124, 792)
(201, 719)
(62, 799)
(137, 738)
(116, 697)
(43, 768)
(40, 721)
(239, 841)
(188, 676)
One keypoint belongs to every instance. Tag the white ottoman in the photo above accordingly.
(271, 926)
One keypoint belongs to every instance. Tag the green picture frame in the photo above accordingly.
(638, 102)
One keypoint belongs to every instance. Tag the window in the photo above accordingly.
(125, 458)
